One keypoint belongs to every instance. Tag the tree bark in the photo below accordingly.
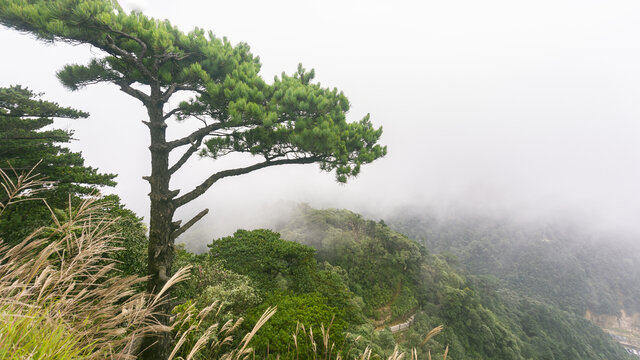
(160, 252)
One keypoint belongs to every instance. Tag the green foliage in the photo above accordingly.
(378, 261)
(132, 239)
(310, 310)
(268, 260)
(292, 121)
(293, 116)
(23, 116)
(274, 272)
(24, 142)
(210, 282)
(331, 281)
(396, 277)
(36, 336)
(537, 281)
(555, 263)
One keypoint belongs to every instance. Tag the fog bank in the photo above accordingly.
(525, 109)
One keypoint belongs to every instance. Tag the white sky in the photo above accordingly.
(525, 107)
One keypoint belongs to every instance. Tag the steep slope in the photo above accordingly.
(586, 275)
(482, 318)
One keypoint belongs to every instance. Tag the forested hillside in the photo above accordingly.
(568, 266)
(584, 273)
(396, 277)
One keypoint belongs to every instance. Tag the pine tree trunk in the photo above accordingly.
(160, 252)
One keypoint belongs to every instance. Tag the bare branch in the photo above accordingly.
(126, 87)
(189, 224)
(194, 136)
(170, 113)
(193, 148)
(202, 188)
(173, 88)
(170, 91)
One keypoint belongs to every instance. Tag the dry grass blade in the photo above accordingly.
(263, 319)
(63, 275)
(180, 275)
(202, 341)
(396, 355)
(366, 354)
(181, 341)
(435, 331)
(20, 187)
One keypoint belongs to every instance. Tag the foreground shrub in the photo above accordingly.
(59, 284)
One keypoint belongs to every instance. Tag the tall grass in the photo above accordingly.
(59, 281)
(62, 298)
(35, 336)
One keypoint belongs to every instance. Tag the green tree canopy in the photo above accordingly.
(25, 142)
(26, 139)
(263, 256)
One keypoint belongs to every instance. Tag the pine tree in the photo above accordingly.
(291, 121)
(26, 140)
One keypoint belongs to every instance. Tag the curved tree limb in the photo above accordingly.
(205, 185)
(197, 135)
(183, 159)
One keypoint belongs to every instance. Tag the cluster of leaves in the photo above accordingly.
(275, 273)
(382, 265)
(271, 262)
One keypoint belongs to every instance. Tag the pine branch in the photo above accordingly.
(130, 57)
(128, 89)
(204, 186)
(171, 113)
(195, 136)
(192, 149)
(173, 88)
(189, 224)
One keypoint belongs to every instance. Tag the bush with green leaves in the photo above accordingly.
(267, 259)
(309, 310)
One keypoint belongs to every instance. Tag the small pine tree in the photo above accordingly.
(26, 139)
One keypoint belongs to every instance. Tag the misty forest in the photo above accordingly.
(167, 220)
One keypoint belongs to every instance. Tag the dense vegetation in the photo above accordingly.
(27, 139)
(559, 264)
(366, 277)
(481, 318)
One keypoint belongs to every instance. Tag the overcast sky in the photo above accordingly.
(520, 107)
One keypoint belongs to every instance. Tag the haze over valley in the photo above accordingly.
(525, 110)
(336, 180)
